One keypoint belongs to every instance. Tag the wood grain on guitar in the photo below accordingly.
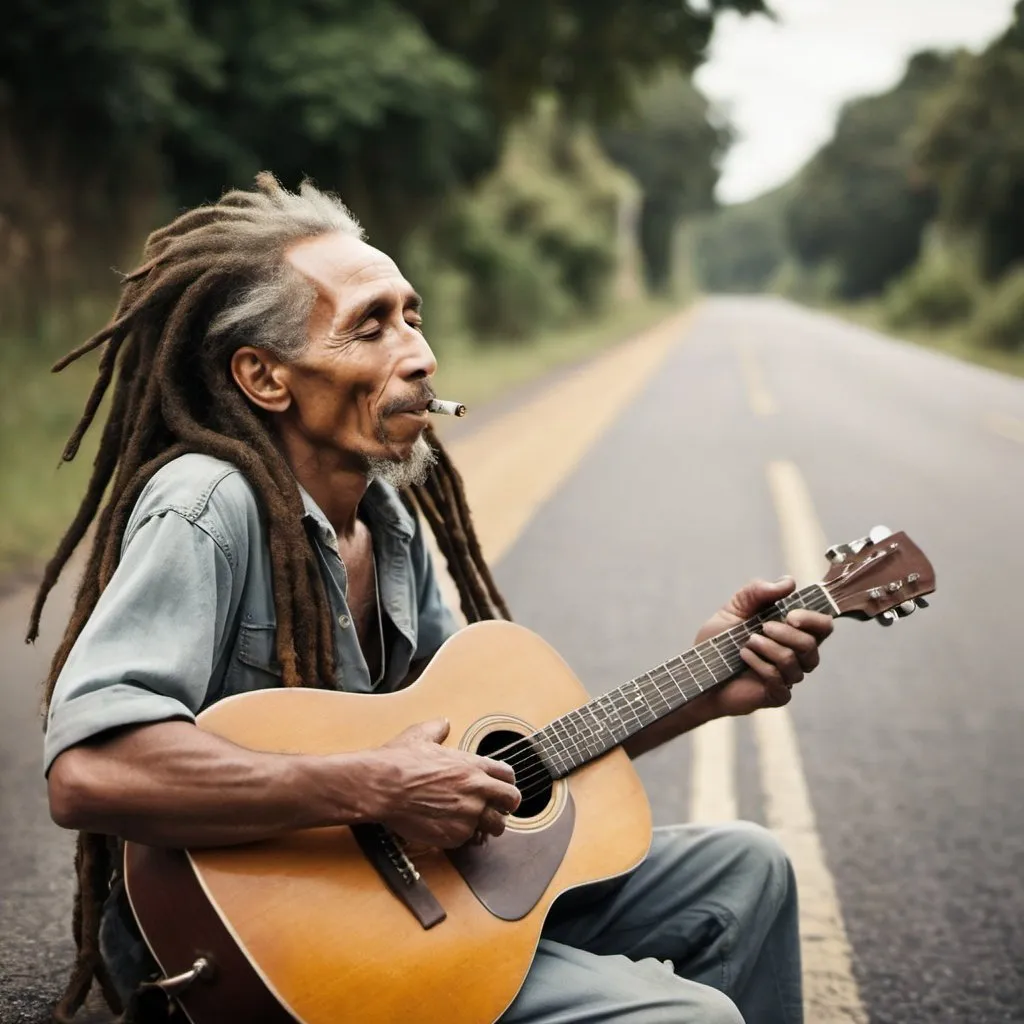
(325, 932)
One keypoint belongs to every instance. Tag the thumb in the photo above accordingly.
(434, 731)
(758, 594)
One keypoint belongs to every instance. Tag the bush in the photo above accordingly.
(937, 291)
(815, 286)
(536, 244)
(999, 322)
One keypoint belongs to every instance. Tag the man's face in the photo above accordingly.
(360, 388)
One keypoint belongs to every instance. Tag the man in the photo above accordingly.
(266, 441)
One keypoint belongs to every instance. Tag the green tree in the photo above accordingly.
(400, 105)
(972, 149)
(671, 143)
(859, 206)
(741, 248)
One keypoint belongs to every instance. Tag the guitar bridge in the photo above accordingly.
(389, 860)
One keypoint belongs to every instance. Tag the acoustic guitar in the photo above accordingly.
(349, 925)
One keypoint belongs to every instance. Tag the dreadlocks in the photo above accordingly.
(213, 280)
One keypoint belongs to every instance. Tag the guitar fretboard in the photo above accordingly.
(609, 720)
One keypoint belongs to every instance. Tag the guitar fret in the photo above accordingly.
(606, 721)
(710, 645)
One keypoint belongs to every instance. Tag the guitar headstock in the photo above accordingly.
(884, 576)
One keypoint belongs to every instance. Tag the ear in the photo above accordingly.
(262, 377)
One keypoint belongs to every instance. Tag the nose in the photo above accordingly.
(420, 362)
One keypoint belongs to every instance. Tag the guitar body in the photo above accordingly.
(303, 927)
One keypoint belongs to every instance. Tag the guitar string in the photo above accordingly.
(742, 626)
(539, 779)
(662, 674)
(657, 677)
(830, 587)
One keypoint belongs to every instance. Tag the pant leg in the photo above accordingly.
(572, 986)
(718, 903)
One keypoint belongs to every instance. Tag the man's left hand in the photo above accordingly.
(776, 660)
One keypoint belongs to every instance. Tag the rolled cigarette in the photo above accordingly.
(446, 408)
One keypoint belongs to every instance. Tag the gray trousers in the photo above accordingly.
(703, 932)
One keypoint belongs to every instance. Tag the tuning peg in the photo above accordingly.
(907, 607)
(921, 602)
(879, 533)
(887, 618)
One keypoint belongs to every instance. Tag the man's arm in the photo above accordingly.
(776, 662)
(124, 757)
(172, 784)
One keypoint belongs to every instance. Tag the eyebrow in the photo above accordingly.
(412, 301)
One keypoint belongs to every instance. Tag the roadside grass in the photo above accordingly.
(950, 340)
(39, 494)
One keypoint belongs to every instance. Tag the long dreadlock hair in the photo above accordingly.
(212, 280)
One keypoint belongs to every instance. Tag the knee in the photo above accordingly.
(716, 1008)
(764, 863)
(707, 1006)
(669, 999)
(758, 868)
(761, 852)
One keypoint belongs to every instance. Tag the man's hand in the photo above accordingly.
(777, 660)
(432, 794)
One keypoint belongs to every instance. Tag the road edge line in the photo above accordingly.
(831, 993)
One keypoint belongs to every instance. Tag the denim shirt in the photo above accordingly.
(188, 617)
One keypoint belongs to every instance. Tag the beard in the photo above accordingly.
(413, 469)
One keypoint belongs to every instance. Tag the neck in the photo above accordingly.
(608, 721)
(337, 489)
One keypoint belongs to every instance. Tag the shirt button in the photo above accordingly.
(344, 621)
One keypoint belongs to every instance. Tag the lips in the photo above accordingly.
(413, 410)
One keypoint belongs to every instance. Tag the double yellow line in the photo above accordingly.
(516, 463)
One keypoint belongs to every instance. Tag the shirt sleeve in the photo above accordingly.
(435, 619)
(147, 652)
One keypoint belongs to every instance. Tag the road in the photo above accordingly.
(621, 506)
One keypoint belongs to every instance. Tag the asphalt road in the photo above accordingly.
(912, 738)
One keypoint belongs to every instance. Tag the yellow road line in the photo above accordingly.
(831, 995)
(713, 775)
(1006, 426)
(758, 395)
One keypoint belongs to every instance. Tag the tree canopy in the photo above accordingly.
(671, 143)
(859, 206)
(972, 149)
(393, 102)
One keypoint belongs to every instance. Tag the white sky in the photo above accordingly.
(782, 83)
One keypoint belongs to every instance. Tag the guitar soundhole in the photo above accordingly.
(532, 777)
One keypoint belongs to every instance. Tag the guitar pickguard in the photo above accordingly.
(510, 873)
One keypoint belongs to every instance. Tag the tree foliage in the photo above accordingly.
(740, 248)
(859, 206)
(401, 106)
(972, 149)
(391, 100)
(671, 143)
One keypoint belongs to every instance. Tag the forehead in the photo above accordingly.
(345, 269)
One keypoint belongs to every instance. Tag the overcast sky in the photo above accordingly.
(783, 82)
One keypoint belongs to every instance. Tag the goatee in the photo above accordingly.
(413, 469)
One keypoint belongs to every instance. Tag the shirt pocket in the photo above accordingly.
(254, 664)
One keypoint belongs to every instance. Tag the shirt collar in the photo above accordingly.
(383, 506)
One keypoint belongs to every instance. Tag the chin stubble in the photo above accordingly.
(400, 473)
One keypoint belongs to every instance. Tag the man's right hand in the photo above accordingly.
(432, 794)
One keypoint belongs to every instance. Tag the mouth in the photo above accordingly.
(418, 409)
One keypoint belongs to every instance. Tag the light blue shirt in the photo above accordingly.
(188, 617)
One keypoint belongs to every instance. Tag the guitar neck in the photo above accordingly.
(571, 741)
